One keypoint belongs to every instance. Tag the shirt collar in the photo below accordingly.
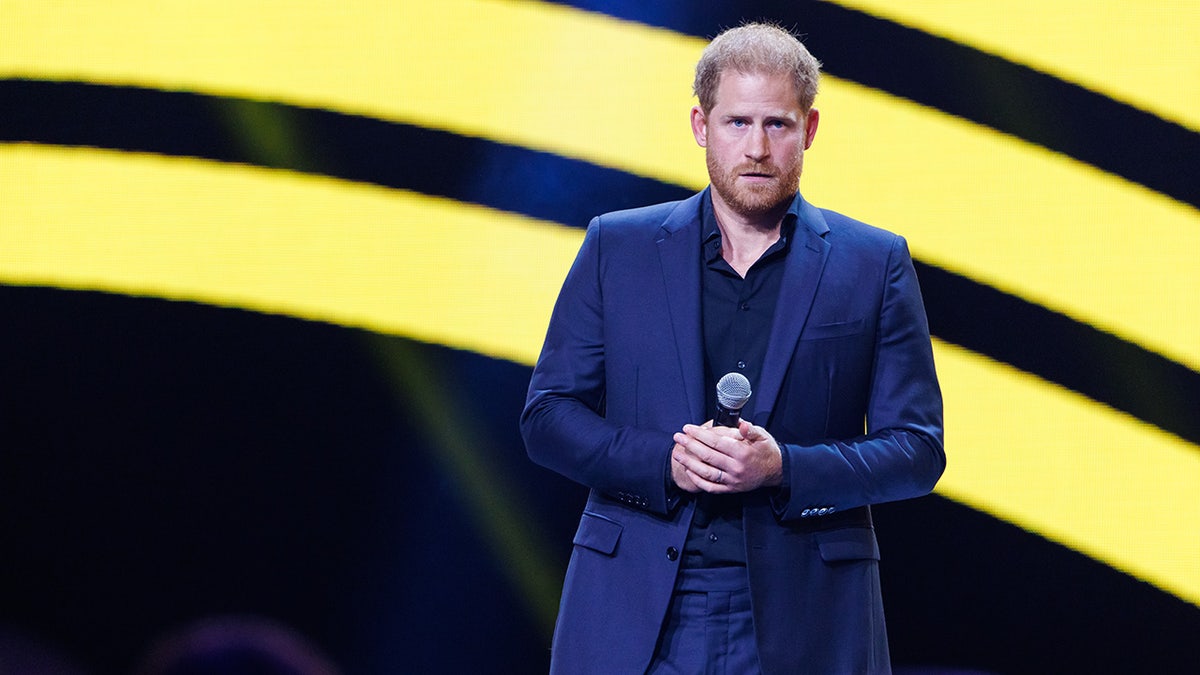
(712, 233)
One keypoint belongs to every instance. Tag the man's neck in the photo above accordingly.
(745, 238)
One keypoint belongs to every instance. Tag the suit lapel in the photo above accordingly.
(801, 276)
(679, 250)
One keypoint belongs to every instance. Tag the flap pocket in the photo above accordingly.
(598, 533)
(851, 543)
(832, 330)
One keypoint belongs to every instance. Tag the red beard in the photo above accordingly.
(754, 200)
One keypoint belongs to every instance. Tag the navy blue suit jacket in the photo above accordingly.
(848, 388)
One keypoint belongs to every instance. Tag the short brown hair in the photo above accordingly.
(756, 48)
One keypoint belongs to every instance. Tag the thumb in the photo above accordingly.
(749, 431)
(754, 433)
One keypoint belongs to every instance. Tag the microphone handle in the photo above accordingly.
(726, 417)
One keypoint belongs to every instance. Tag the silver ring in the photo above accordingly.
(720, 475)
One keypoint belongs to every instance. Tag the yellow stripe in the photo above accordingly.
(1072, 470)
(1014, 216)
(531, 74)
(279, 242)
(328, 250)
(1144, 53)
(1022, 219)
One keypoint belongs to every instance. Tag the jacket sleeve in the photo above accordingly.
(901, 455)
(563, 423)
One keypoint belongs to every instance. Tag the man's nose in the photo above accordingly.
(757, 147)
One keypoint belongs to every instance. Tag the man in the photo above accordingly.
(709, 549)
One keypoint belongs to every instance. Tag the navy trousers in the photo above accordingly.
(709, 629)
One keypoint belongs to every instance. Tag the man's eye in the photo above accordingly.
(739, 123)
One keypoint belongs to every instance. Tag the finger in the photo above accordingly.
(694, 445)
(703, 459)
(683, 478)
(695, 466)
(714, 472)
(685, 446)
(710, 437)
(706, 430)
(706, 483)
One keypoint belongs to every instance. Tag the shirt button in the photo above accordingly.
(741, 365)
(745, 306)
(712, 537)
(672, 553)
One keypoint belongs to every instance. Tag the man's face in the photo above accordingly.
(754, 139)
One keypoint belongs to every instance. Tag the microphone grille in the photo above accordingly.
(733, 390)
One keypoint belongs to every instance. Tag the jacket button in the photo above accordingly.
(672, 553)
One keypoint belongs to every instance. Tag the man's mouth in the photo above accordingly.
(756, 173)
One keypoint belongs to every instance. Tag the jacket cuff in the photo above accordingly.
(783, 494)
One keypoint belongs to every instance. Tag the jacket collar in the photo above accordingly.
(678, 242)
(801, 276)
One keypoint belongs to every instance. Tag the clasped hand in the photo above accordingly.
(723, 460)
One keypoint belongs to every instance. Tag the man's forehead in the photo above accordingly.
(745, 93)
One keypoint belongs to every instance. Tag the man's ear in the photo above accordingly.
(700, 126)
(810, 127)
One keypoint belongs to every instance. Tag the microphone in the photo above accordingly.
(732, 393)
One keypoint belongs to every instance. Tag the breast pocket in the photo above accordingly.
(826, 331)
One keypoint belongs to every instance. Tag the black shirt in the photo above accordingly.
(737, 314)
